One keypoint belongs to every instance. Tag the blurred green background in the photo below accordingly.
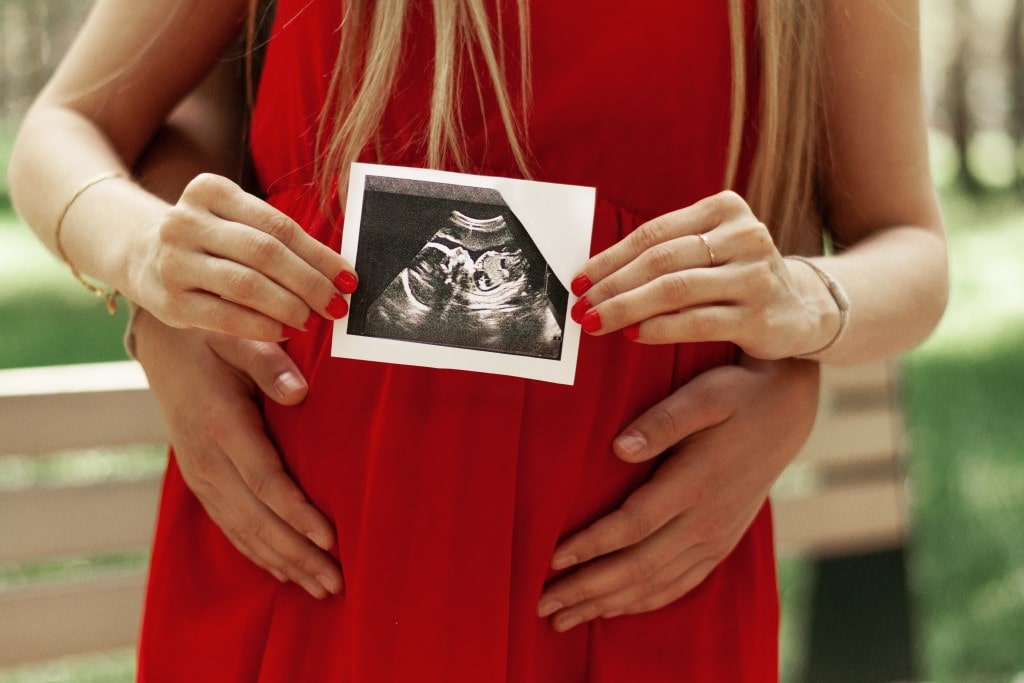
(963, 390)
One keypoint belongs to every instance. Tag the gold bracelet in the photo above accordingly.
(109, 296)
(838, 295)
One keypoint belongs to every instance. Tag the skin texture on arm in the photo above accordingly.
(660, 286)
(211, 410)
(219, 258)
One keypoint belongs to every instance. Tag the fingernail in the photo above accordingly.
(591, 321)
(329, 583)
(315, 589)
(346, 282)
(579, 308)
(287, 382)
(632, 332)
(548, 608)
(581, 284)
(629, 444)
(338, 307)
(567, 622)
(563, 561)
(320, 541)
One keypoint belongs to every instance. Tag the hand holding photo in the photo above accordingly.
(463, 272)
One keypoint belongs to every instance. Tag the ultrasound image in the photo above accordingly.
(452, 265)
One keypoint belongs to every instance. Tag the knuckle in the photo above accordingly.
(663, 423)
(251, 527)
(660, 259)
(208, 186)
(676, 287)
(265, 482)
(651, 233)
(637, 521)
(730, 202)
(756, 234)
(242, 283)
(707, 324)
(263, 249)
(279, 227)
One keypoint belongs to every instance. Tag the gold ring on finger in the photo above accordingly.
(707, 245)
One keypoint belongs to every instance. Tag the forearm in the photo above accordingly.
(896, 282)
(57, 151)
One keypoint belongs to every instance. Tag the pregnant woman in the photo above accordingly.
(483, 528)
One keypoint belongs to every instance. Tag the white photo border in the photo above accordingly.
(559, 219)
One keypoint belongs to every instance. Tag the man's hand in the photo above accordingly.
(206, 385)
(729, 433)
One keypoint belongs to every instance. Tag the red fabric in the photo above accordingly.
(450, 489)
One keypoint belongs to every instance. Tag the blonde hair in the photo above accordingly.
(781, 187)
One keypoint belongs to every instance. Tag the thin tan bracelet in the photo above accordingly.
(109, 296)
(838, 295)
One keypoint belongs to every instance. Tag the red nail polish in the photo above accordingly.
(346, 282)
(338, 307)
(632, 332)
(581, 284)
(579, 308)
(591, 321)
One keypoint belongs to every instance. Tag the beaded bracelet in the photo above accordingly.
(838, 295)
(109, 296)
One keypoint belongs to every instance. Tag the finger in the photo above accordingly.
(672, 591)
(666, 294)
(639, 570)
(697, 324)
(696, 218)
(259, 465)
(646, 510)
(682, 253)
(230, 202)
(691, 408)
(253, 525)
(214, 313)
(267, 364)
(268, 256)
(242, 515)
(243, 285)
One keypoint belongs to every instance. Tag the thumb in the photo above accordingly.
(691, 408)
(266, 364)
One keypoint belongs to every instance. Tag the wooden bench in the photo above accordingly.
(844, 495)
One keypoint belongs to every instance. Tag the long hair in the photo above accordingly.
(781, 187)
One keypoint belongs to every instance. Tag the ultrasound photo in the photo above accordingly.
(463, 272)
(452, 265)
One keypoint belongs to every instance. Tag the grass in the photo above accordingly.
(964, 398)
(46, 317)
(965, 422)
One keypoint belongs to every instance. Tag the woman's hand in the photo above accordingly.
(223, 451)
(223, 260)
(709, 272)
(730, 433)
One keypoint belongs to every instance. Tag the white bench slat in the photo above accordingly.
(43, 410)
(843, 520)
(50, 620)
(49, 522)
(854, 437)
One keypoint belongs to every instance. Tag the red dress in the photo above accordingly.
(450, 489)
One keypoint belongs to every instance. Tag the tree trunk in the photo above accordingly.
(1015, 78)
(959, 105)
